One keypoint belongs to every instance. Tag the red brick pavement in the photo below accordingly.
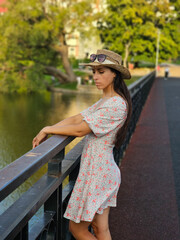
(147, 208)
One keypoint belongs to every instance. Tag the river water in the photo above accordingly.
(22, 117)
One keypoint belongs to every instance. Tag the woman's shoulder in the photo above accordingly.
(116, 101)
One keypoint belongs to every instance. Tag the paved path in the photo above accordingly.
(149, 195)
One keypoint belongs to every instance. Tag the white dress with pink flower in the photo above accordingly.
(99, 176)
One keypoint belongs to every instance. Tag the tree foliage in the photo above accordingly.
(33, 36)
(130, 28)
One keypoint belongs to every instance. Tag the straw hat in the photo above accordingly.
(112, 60)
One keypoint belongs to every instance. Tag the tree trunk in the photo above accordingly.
(66, 64)
(62, 77)
(127, 45)
(69, 76)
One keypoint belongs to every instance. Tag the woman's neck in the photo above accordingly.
(108, 94)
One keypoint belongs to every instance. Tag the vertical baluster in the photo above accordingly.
(72, 177)
(23, 234)
(54, 202)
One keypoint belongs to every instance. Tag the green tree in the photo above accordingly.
(33, 36)
(171, 32)
(130, 28)
(167, 19)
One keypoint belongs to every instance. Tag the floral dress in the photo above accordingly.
(99, 176)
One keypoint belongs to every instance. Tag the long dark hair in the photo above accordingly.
(121, 88)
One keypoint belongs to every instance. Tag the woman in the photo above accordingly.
(105, 124)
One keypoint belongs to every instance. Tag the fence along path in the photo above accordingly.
(48, 191)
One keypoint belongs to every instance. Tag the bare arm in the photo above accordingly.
(71, 120)
(78, 129)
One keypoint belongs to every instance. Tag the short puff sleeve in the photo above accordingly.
(105, 118)
(89, 110)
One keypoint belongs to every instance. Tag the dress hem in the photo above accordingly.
(84, 220)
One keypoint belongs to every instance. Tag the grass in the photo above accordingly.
(55, 83)
(79, 73)
(71, 85)
(133, 79)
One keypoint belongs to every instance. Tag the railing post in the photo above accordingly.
(73, 175)
(23, 234)
(54, 203)
(54, 165)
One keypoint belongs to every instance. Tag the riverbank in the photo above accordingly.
(86, 88)
(81, 89)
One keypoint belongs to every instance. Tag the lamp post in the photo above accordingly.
(157, 48)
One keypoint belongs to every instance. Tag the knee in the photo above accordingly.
(100, 230)
(75, 230)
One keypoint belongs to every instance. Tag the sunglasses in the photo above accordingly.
(100, 57)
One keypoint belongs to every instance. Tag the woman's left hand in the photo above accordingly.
(41, 137)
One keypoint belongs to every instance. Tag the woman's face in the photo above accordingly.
(103, 77)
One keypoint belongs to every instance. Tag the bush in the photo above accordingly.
(71, 85)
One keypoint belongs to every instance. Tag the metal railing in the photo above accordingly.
(139, 91)
(48, 191)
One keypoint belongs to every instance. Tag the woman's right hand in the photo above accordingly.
(41, 137)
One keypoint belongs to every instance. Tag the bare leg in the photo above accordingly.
(100, 225)
(80, 230)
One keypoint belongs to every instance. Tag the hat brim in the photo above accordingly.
(123, 70)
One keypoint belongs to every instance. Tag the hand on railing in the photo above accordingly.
(40, 137)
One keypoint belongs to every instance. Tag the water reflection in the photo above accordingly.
(21, 118)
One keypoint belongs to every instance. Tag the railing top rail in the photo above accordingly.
(18, 171)
(137, 83)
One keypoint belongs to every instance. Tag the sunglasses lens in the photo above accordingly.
(92, 57)
(101, 57)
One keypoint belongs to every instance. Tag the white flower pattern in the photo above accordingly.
(99, 176)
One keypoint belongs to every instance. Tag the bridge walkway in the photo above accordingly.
(149, 195)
